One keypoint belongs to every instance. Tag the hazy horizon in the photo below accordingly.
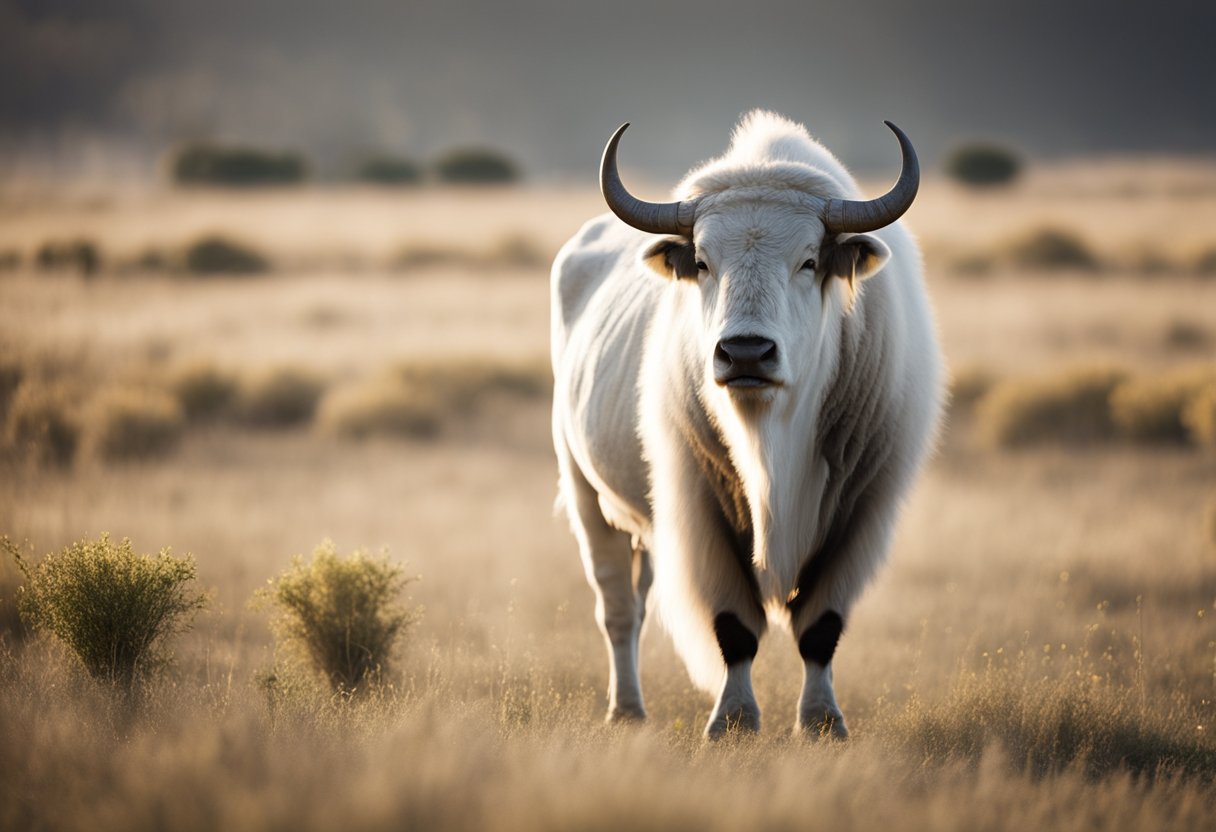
(115, 82)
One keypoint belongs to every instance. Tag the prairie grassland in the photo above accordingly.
(1039, 653)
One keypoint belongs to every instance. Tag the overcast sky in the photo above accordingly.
(547, 81)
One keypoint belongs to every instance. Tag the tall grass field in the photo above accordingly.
(381, 623)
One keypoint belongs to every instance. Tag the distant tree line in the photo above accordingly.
(204, 163)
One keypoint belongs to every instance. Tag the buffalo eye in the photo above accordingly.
(701, 266)
(809, 265)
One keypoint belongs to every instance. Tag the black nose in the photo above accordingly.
(747, 360)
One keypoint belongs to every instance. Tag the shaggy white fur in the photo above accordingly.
(775, 503)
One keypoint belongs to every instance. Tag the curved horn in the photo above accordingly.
(840, 215)
(653, 217)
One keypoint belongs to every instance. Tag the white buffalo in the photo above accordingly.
(740, 405)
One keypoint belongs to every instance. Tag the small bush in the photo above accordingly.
(1072, 407)
(421, 255)
(282, 397)
(1200, 417)
(1051, 249)
(207, 164)
(10, 259)
(134, 424)
(983, 165)
(76, 255)
(42, 425)
(220, 255)
(114, 609)
(381, 408)
(341, 616)
(516, 250)
(476, 166)
(203, 390)
(1152, 408)
(389, 170)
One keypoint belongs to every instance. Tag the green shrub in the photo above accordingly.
(1152, 408)
(341, 616)
(75, 255)
(1051, 249)
(114, 609)
(381, 408)
(220, 255)
(282, 397)
(208, 164)
(1200, 417)
(983, 165)
(476, 166)
(203, 390)
(1071, 407)
(134, 424)
(42, 425)
(389, 170)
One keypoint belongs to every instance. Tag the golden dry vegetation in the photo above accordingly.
(1039, 653)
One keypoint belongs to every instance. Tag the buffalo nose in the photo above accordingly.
(744, 357)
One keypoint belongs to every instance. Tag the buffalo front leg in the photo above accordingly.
(619, 572)
(818, 713)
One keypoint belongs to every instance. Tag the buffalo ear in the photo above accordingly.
(855, 257)
(672, 257)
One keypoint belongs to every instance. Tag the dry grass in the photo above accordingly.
(204, 390)
(1153, 408)
(967, 672)
(42, 424)
(1070, 407)
(133, 423)
(280, 397)
(1200, 417)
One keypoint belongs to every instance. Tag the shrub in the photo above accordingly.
(11, 625)
(518, 251)
(1073, 406)
(282, 397)
(219, 255)
(77, 255)
(208, 164)
(389, 170)
(1205, 262)
(134, 424)
(381, 408)
(475, 166)
(114, 609)
(1200, 417)
(1186, 335)
(203, 390)
(340, 615)
(10, 259)
(41, 425)
(1051, 249)
(983, 165)
(1151, 409)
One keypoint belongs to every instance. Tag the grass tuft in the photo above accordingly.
(1050, 249)
(339, 615)
(279, 398)
(114, 609)
(134, 424)
(203, 390)
(215, 254)
(1070, 407)
(42, 425)
(382, 407)
(1152, 408)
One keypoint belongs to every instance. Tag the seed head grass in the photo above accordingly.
(115, 610)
